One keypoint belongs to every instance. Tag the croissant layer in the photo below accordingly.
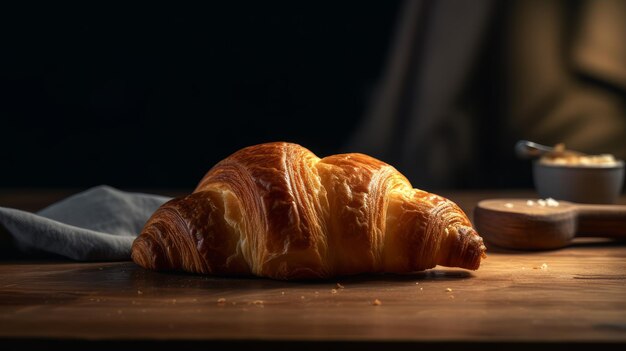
(276, 210)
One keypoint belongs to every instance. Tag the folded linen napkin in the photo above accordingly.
(98, 224)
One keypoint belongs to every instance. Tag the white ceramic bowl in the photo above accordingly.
(583, 184)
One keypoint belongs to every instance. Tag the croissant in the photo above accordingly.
(277, 210)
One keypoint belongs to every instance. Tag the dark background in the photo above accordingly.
(154, 95)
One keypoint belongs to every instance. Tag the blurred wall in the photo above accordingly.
(153, 95)
(464, 80)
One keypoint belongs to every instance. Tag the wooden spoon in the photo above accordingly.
(515, 224)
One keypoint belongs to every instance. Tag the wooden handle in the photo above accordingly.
(602, 221)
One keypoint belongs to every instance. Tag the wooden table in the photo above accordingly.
(559, 299)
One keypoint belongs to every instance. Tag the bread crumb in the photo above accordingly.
(302, 297)
(552, 202)
(376, 302)
(258, 302)
(417, 283)
(139, 292)
(282, 293)
(339, 286)
(549, 202)
(544, 266)
(508, 205)
(421, 289)
(221, 301)
(333, 291)
(448, 290)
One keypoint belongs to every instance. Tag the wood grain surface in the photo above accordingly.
(576, 295)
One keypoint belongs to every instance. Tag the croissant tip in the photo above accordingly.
(466, 250)
(146, 252)
(138, 252)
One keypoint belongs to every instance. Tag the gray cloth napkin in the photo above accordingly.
(95, 225)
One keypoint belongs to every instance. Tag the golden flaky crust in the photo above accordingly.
(276, 210)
